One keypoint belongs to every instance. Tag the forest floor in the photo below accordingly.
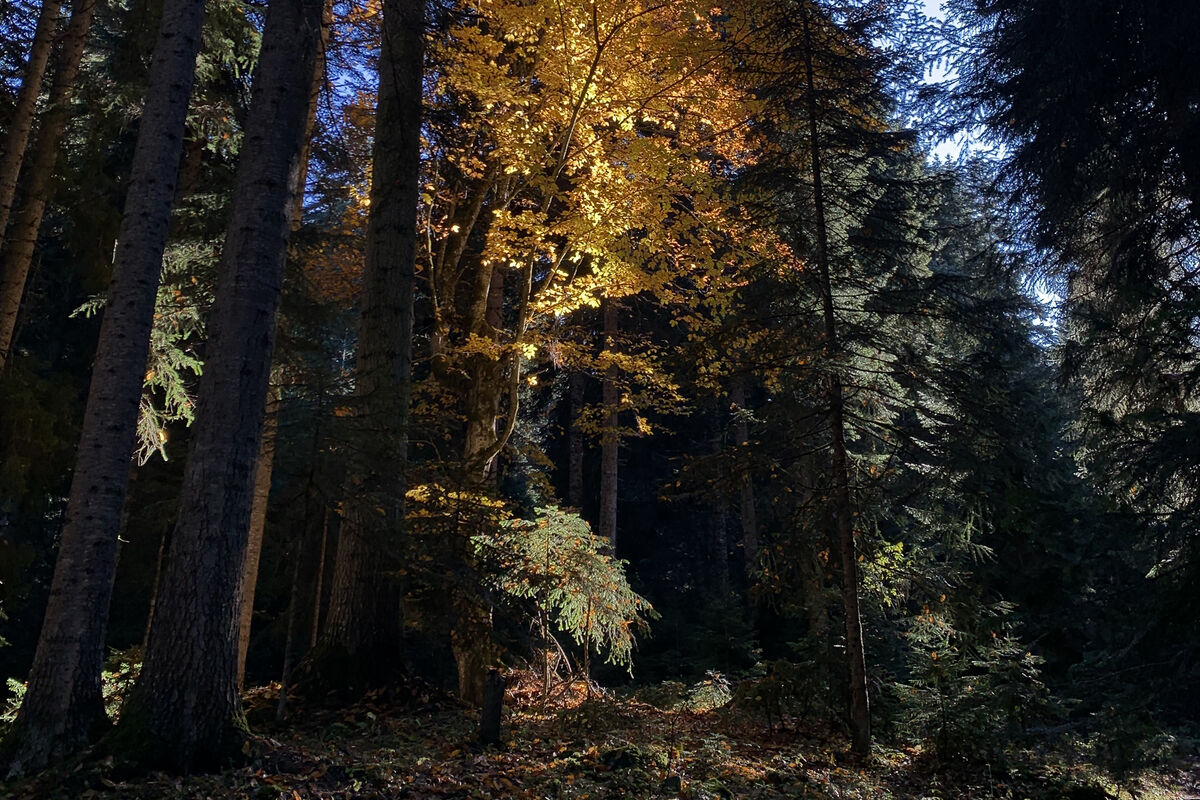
(606, 747)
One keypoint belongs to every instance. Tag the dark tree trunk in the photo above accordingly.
(749, 517)
(21, 123)
(264, 467)
(610, 437)
(363, 604)
(860, 710)
(62, 703)
(37, 171)
(575, 441)
(314, 633)
(186, 710)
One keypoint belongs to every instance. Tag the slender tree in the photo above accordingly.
(362, 602)
(19, 245)
(63, 704)
(21, 123)
(842, 505)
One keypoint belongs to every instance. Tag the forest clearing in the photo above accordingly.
(810, 387)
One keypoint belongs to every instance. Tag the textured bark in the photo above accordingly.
(610, 440)
(186, 711)
(265, 465)
(63, 701)
(575, 442)
(741, 435)
(21, 241)
(362, 599)
(21, 124)
(860, 711)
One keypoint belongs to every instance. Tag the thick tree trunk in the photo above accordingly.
(186, 710)
(741, 435)
(266, 452)
(63, 703)
(24, 112)
(610, 438)
(363, 598)
(265, 465)
(860, 711)
(575, 441)
(20, 243)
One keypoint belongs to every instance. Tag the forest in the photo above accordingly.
(600, 399)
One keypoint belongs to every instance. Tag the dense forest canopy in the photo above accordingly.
(405, 348)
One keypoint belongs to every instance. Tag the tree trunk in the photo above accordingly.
(741, 435)
(860, 711)
(35, 190)
(266, 453)
(575, 441)
(264, 466)
(610, 438)
(21, 123)
(63, 702)
(319, 581)
(363, 597)
(186, 710)
(293, 625)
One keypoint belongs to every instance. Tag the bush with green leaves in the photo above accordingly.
(557, 564)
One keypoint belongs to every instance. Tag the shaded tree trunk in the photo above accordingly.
(860, 712)
(610, 438)
(21, 123)
(185, 712)
(363, 599)
(575, 441)
(21, 242)
(749, 517)
(264, 466)
(266, 453)
(63, 703)
(319, 581)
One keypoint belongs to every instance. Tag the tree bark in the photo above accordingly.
(21, 124)
(264, 466)
(575, 441)
(63, 703)
(860, 710)
(19, 245)
(185, 713)
(741, 435)
(610, 438)
(363, 598)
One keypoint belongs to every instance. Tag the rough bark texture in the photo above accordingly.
(186, 711)
(63, 703)
(860, 711)
(741, 435)
(37, 171)
(610, 439)
(21, 124)
(264, 467)
(362, 599)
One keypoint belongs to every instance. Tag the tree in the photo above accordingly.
(363, 600)
(186, 710)
(62, 704)
(19, 245)
(21, 124)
